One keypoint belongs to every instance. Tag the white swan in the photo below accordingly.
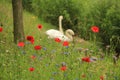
(52, 33)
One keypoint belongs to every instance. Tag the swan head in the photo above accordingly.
(70, 34)
(60, 17)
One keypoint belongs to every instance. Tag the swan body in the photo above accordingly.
(52, 33)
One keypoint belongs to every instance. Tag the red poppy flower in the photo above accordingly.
(1, 29)
(101, 77)
(86, 59)
(21, 44)
(63, 68)
(32, 41)
(65, 43)
(95, 29)
(31, 69)
(30, 38)
(33, 56)
(39, 26)
(57, 40)
(83, 75)
(37, 47)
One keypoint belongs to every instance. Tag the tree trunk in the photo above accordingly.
(18, 30)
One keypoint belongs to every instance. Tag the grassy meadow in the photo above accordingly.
(53, 61)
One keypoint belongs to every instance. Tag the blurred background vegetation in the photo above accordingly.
(80, 15)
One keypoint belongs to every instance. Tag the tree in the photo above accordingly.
(18, 21)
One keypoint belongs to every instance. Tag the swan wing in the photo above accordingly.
(64, 38)
(52, 33)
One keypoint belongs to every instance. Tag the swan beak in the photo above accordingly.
(73, 35)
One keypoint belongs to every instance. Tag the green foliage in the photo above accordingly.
(27, 4)
(106, 15)
(50, 10)
(80, 15)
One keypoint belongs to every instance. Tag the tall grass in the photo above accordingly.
(16, 61)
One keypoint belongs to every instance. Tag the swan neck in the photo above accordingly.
(68, 35)
(60, 26)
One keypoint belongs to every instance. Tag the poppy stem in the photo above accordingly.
(94, 39)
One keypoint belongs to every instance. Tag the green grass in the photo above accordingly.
(15, 61)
